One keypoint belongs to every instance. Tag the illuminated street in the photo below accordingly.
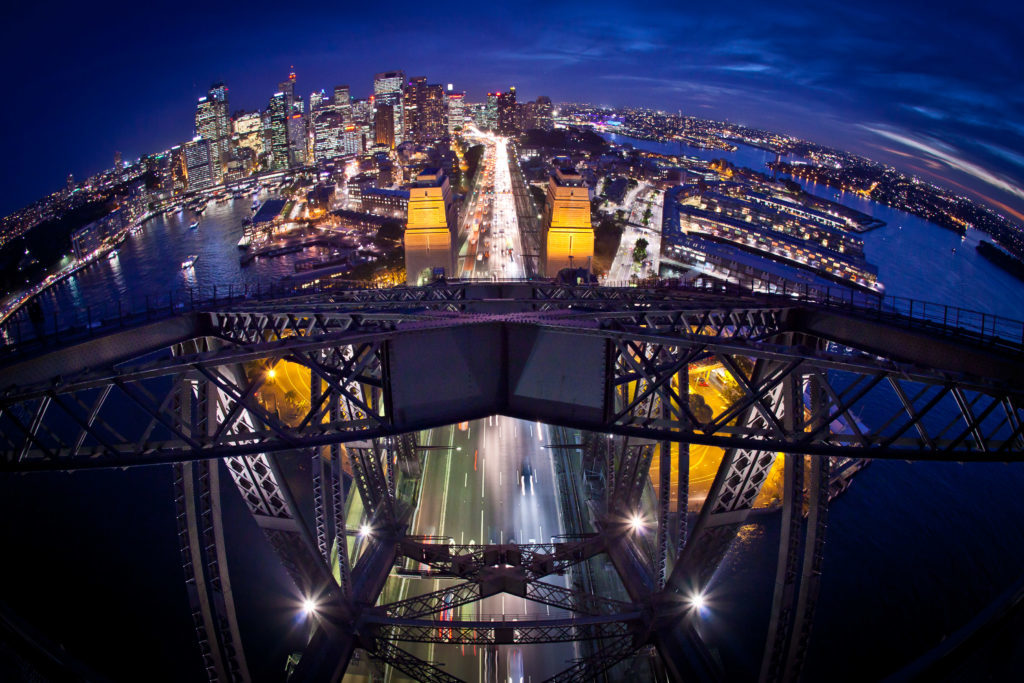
(490, 244)
(473, 491)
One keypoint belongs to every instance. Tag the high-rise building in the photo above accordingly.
(351, 140)
(316, 99)
(248, 132)
(343, 102)
(384, 125)
(199, 164)
(456, 112)
(288, 89)
(388, 89)
(118, 162)
(297, 139)
(71, 182)
(568, 233)
(425, 111)
(430, 233)
(276, 138)
(214, 125)
(544, 113)
(491, 111)
(508, 113)
(327, 127)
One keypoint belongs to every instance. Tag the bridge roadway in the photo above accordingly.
(477, 495)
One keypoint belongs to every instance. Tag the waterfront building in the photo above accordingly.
(456, 112)
(430, 233)
(568, 233)
(199, 164)
(384, 202)
(388, 89)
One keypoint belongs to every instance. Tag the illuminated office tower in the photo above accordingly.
(198, 164)
(297, 139)
(350, 141)
(362, 112)
(288, 89)
(248, 133)
(544, 110)
(456, 112)
(424, 110)
(568, 234)
(276, 140)
(118, 162)
(318, 99)
(431, 228)
(343, 102)
(214, 125)
(327, 127)
(508, 114)
(388, 89)
(384, 125)
(491, 111)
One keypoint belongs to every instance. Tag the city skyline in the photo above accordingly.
(847, 81)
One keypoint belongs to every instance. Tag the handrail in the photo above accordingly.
(24, 332)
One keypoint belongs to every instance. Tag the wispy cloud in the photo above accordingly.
(938, 151)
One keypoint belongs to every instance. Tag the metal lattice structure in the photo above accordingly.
(191, 389)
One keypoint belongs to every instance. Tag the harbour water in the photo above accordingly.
(913, 550)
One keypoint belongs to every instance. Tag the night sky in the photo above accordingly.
(933, 89)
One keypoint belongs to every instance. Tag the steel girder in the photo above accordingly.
(410, 665)
(122, 417)
(589, 668)
(468, 561)
(506, 631)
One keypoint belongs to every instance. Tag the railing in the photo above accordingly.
(30, 328)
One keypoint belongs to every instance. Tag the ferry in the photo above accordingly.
(189, 262)
(112, 255)
(245, 241)
(193, 225)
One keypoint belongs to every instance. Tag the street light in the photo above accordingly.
(309, 607)
(365, 530)
(636, 523)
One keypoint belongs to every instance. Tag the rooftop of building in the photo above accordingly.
(429, 177)
(568, 176)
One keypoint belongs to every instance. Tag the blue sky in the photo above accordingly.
(935, 90)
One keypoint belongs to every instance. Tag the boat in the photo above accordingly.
(245, 241)
(194, 224)
(112, 255)
(189, 261)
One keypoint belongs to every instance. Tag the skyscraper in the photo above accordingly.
(491, 111)
(568, 233)
(425, 110)
(384, 125)
(508, 114)
(214, 125)
(430, 233)
(198, 164)
(247, 131)
(343, 102)
(327, 128)
(456, 112)
(297, 139)
(388, 89)
(277, 131)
